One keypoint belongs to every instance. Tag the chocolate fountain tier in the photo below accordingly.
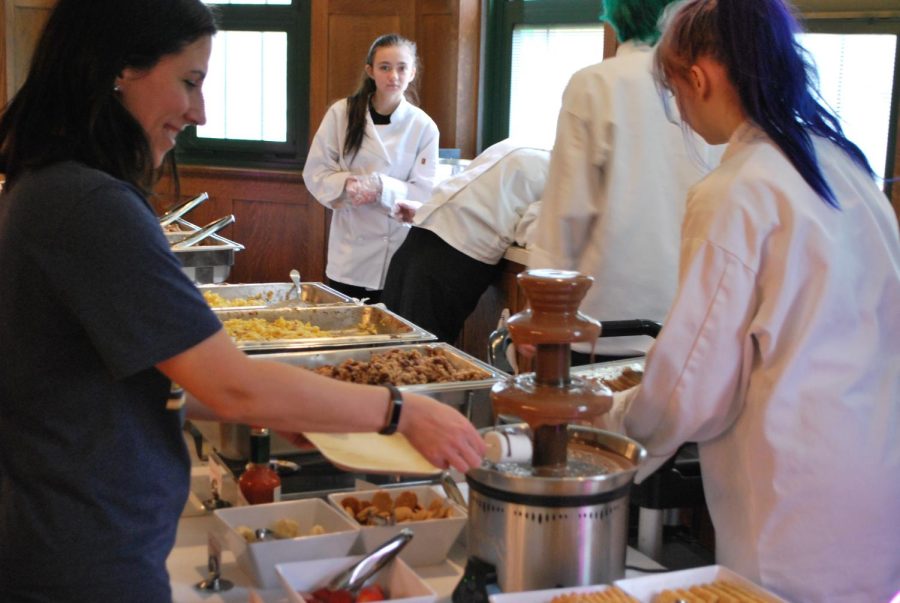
(553, 316)
(579, 401)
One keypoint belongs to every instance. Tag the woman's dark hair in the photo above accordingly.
(358, 102)
(67, 108)
(772, 73)
(634, 19)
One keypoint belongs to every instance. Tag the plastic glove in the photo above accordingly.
(363, 189)
(405, 210)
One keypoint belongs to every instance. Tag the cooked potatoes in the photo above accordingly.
(282, 529)
(383, 510)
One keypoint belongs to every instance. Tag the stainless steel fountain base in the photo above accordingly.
(548, 532)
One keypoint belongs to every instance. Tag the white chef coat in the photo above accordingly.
(614, 199)
(404, 153)
(478, 211)
(781, 357)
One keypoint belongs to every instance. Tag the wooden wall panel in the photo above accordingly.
(342, 31)
(24, 21)
(468, 75)
(276, 218)
(447, 33)
(3, 91)
(503, 293)
(349, 38)
(436, 40)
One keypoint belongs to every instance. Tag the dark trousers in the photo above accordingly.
(434, 285)
(374, 295)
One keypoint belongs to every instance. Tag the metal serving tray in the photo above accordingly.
(209, 262)
(278, 295)
(608, 370)
(344, 321)
(472, 398)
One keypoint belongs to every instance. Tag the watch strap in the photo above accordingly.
(395, 406)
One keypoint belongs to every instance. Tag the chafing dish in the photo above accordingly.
(277, 295)
(208, 262)
(348, 326)
(472, 398)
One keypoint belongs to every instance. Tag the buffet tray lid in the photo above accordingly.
(389, 327)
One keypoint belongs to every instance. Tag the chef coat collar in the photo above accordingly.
(745, 134)
(632, 47)
(397, 116)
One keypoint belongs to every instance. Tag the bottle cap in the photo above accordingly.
(503, 447)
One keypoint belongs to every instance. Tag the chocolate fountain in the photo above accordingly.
(560, 519)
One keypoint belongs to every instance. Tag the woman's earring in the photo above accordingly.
(116, 88)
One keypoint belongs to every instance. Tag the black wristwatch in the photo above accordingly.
(393, 413)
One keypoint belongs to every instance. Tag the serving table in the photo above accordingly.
(187, 566)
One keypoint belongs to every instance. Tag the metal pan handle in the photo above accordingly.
(173, 214)
(206, 231)
(623, 328)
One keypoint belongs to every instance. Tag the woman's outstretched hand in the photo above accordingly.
(443, 435)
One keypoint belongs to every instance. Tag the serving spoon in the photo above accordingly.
(295, 276)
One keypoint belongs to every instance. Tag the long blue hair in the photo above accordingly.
(773, 74)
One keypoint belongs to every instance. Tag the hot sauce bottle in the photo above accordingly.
(259, 483)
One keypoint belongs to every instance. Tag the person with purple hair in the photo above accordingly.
(780, 355)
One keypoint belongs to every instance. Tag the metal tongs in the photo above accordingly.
(206, 231)
(354, 577)
(177, 212)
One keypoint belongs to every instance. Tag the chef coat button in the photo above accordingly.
(384, 238)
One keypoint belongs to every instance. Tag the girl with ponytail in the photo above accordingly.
(372, 149)
(779, 355)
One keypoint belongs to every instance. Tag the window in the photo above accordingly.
(859, 79)
(555, 53)
(256, 90)
(533, 48)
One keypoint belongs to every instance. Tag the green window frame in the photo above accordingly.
(294, 20)
(503, 17)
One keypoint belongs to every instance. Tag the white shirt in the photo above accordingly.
(781, 357)
(404, 153)
(480, 210)
(614, 200)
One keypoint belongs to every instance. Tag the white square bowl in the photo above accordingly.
(432, 538)
(258, 559)
(645, 588)
(397, 579)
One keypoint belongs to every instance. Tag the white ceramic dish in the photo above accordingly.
(545, 596)
(645, 588)
(397, 579)
(432, 537)
(258, 559)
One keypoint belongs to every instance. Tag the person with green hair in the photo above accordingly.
(619, 175)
